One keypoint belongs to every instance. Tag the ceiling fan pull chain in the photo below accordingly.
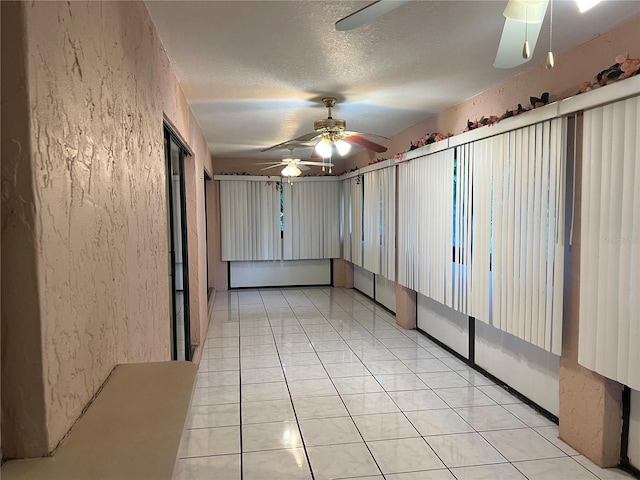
(525, 47)
(550, 63)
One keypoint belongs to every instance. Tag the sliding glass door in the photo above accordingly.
(179, 271)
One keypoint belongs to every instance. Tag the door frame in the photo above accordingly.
(170, 136)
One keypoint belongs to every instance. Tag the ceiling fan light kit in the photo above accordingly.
(331, 132)
(291, 170)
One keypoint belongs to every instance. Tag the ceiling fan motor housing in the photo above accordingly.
(331, 125)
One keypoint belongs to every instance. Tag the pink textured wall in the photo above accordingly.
(98, 86)
(571, 69)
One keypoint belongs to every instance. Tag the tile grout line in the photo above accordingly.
(340, 396)
(351, 417)
(286, 382)
(240, 389)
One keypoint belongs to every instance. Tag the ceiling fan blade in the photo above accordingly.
(365, 134)
(302, 167)
(368, 144)
(307, 137)
(368, 14)
(272, 166)
(514, 32)
(270, 163)
(326, 164)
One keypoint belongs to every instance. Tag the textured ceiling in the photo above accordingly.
(254, 72)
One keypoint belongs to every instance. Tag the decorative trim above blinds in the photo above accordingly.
(311, 220)
(609, 341)
(250, 220)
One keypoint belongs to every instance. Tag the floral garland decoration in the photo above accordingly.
(624, 67)
(427, 139)
(512, 112)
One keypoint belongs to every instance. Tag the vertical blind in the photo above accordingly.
(352, 220)
(379, 212)
(481, 230)
(526, 225)
(425, 206)
(250, 220)
(311, 220)
(609, 340)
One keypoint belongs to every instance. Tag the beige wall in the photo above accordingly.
(86, 203)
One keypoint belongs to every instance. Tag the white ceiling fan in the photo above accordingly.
(368, 14)
(294, 166)
(522, 24)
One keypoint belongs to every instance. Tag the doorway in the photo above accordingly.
(175, 153)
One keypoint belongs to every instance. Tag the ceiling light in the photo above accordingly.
(291, 170)
(584, 5)
(342, 147)
(323, 147)
(526, 11)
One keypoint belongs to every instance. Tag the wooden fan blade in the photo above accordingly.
(368, 144)
(303, 138)
(307, 137)
(364, 134)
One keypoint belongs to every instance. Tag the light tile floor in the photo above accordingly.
(320, 383)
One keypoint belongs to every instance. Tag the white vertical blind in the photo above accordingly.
(379, 222)
(311, 220)
(425, 206)
(345, 230)
(250, 220)
(388, 223)
(526, 225)
(609, 341)
(352, 220)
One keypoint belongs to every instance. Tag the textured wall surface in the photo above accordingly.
(99, 84)
(590, 407)
(22, 380)
(571, 69)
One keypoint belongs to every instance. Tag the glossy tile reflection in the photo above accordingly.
(320, 383)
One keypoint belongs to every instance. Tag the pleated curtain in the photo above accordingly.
(379, 222)
(250, 220)
(352, 204)
(311, 220)
(609, 338)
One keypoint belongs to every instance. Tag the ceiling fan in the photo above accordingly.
(331, 133)
(294, 166)
(522, 24)
(368, 14)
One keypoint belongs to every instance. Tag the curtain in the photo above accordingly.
(311, 220)
(379, 222)
(425, 206)
(352, 220)
(609, 340)
(250, 220)
(526, 225)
